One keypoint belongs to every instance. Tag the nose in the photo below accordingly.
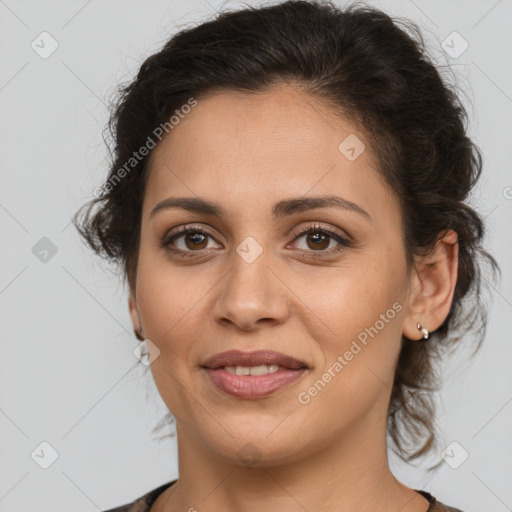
(251, 295)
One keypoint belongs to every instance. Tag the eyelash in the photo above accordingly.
(168, 240)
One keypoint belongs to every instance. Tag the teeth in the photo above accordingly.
(262, 369)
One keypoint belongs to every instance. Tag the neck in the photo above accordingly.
(348, 472)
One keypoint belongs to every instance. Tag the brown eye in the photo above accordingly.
(195, 240)
(318, 241)
(186, 240)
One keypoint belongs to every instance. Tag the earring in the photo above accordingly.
(424, 332)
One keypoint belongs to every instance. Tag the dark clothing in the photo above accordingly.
(145, 502)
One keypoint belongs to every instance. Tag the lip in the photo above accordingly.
(255, 358)
(253, 386)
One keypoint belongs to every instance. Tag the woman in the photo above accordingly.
(287, 203)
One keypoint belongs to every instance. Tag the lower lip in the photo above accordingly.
(253, 386)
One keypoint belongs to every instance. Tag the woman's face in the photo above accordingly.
(250, 279)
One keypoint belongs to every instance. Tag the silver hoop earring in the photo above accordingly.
(424, 332)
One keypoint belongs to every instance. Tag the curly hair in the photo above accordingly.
(365, 65)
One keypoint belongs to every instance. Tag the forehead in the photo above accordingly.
(248, 147)
(283, 121)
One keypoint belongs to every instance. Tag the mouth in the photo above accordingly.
(255, 374)
(258, 358)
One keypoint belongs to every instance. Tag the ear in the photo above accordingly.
(432, 287)
(134, 314)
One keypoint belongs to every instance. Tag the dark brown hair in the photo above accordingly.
(365, 65)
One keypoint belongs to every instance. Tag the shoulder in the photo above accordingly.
(144, 502)
(436, 506)
(439, 507)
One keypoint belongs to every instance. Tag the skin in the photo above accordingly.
(247, 152)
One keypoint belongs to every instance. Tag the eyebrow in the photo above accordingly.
(281, 209)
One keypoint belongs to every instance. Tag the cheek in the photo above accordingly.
(360, 346)
(350, 298)
(168, 301)
(170, 305)
(356, 313)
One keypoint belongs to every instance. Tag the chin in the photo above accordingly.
(258, 449)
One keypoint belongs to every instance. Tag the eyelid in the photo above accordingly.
(319, 227)
(184, 229)
(343, 240)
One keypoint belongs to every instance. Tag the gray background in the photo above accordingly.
(67, 372)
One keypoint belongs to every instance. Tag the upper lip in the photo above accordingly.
(258, 357)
